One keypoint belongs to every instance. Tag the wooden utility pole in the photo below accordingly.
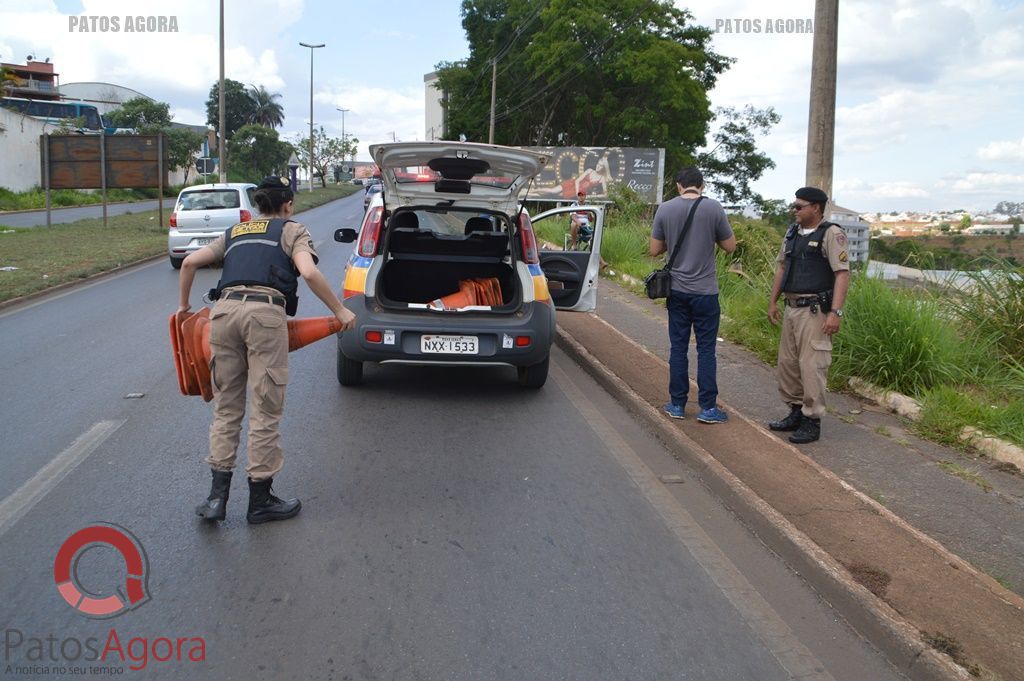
(821, 123)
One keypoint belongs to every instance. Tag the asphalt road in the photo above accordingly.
(454, 525)
(59, 215)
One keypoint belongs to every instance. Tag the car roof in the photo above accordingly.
(225, 185)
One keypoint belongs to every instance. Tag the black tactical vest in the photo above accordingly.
(807, 268)
(254, 257)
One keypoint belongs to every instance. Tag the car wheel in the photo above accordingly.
(176, 262)
(534, 376)
(350, 372)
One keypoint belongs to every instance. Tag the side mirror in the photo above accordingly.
(345, 235)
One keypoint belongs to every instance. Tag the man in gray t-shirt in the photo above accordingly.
(693, 302)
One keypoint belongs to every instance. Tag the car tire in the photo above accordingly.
(176, 262)
(350, 372)
(534, 376)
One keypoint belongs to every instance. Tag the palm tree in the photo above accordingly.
(266, 111)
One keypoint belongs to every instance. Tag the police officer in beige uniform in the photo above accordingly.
(249, 341)
(813, 274)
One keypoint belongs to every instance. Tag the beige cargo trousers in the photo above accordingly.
(249, 344)
(805, 354)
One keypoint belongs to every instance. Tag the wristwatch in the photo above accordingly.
(838, 312)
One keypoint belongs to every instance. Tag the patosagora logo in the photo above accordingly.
(133, 592)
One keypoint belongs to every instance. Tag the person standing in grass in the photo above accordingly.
(693, 301)
(813, 273)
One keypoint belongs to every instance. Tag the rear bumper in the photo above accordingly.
(496, 335)
(180, 244)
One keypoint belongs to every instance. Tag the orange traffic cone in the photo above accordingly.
(190, 346)
(302, 332)
(464, 297)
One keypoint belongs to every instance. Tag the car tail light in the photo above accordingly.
(244, 215)
(370, 233)
(527, 240)
(374, 337)
(173, 222)
(522, 341)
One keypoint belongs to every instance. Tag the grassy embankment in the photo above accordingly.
(46, 257)
(959, 354)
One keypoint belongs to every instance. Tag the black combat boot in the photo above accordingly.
(809, 431)
(264, 506)
(791, 422)
(216, 505)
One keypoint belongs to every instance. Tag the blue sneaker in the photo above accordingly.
(712, 415)
(673, 410)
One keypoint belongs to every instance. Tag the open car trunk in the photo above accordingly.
(448, 271)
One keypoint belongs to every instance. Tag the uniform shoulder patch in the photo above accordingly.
(843, 257)
(251, 227)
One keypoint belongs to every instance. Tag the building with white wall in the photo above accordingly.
(435, 118)
(858, 232)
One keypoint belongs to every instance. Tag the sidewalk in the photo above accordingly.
(871, 495)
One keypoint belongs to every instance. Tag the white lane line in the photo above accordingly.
(20, 502)
(762, 619)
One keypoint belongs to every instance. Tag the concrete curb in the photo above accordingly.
(869, 615)
(993, 447)
(77, 282)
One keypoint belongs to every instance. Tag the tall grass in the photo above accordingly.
(899, 339)
(960, 354)
(994, 307)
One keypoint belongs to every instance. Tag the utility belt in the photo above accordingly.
(821, 300)
(255, 298)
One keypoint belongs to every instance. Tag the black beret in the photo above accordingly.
(812, 194)
(274, 182)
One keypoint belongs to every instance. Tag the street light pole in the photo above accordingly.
(223, 168)
(311, 48)
(344, 138)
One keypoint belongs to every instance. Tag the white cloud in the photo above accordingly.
(894, 117)
(981, 183)
(898, 190)
(1012, 150)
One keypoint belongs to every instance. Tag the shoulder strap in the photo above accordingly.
(682, 235)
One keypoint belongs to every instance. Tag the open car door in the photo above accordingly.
(573, 271)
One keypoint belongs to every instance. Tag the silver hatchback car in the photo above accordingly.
(203, 212)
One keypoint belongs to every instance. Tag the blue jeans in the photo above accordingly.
(702, 312)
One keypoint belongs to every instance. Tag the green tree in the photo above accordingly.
(944, 227)
(238, 107)
(181, 146)
(327, 152)
(965, 222)
(142, 114)
(734, 162)
(258, 151)
(266, 110)
(598, 73)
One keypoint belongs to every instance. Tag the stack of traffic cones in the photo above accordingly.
(190, 344)
(471, 292)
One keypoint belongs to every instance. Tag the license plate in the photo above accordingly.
(202, 241)
(448, 345)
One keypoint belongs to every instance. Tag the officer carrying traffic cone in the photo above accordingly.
(263, 259)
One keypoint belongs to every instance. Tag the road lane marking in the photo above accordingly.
(770, 628)
(21, 501)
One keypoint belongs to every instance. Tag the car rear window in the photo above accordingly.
(208, 199)
(424, 174)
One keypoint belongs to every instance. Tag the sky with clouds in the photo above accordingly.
(930, 108)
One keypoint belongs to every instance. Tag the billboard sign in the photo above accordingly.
(594, 169)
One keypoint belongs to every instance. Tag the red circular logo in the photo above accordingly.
(65, 571)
